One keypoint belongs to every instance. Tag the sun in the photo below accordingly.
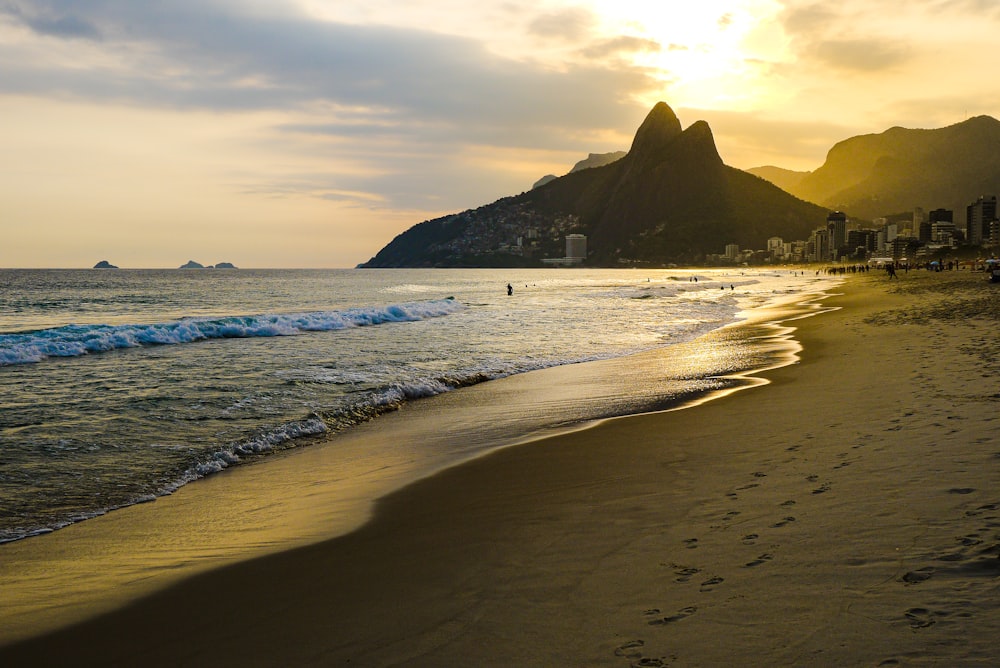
(705, 59)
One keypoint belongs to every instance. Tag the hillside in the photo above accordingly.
(786, 179)
(879, 174)
(592, 160)
(671, 199)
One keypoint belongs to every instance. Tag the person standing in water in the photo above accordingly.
(510, 289)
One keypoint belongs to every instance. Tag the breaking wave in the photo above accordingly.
(77, 340)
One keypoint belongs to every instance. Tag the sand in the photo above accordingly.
(845, 513)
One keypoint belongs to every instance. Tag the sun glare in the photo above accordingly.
(703, 57)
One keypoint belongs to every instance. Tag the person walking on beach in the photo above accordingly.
(891, 270)
(510, 289)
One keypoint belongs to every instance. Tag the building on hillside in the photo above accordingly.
(732, 251)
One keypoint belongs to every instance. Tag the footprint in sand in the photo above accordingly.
(762, 559)
(921, 618)
(981, 509)
(691, 543)
(683, 613)
(917, 576)
(685, 574)
(812, 478)
(750, 539)
(822, 489)
(784, 522)
(630, 650)
(788, 503)
(709, 584)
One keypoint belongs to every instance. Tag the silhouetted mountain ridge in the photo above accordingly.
(592, 160)
(874, 175)
(786, 179)
(670, 199)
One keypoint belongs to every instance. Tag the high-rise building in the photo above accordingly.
(819, 245)
(576, 246)
(836, 225)
(978, 217)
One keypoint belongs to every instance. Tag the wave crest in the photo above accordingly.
(77, 340)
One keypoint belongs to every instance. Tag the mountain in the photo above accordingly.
(874, 175)
(671, 199)
(592, 160)
(786, 179)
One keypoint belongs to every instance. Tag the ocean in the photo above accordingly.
(120, 386)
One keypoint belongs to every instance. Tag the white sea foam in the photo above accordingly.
(76, 340)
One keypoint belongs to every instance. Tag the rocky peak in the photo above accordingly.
(659, 129)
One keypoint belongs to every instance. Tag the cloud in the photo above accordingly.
(846, 36)
(624, 45)
(200, 55)
(861, 55)
(807, 21)
(571, 24)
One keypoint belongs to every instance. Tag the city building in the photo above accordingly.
(836, 225)
(576, 252)
(978, 217)
(576, 246)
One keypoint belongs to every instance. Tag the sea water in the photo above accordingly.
(119, 386)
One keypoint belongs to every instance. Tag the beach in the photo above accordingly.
(846, 512)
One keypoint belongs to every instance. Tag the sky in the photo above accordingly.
(309, 133)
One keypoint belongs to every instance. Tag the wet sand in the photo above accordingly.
(845, 513)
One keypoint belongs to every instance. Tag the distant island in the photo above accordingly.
(104, 264)
(191, 264)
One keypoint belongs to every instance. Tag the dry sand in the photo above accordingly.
(847, 513)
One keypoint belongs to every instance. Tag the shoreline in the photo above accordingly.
(296, 498)
(830, 517)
